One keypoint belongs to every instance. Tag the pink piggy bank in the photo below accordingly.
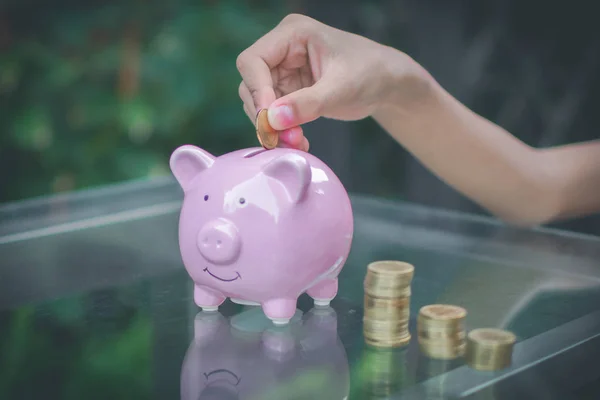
(261, 227)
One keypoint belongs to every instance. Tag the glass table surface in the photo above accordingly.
(95, 303)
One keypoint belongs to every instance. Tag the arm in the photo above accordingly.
(303, 70)
(519, 184)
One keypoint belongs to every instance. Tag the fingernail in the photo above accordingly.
(281, 117)
(306, 144)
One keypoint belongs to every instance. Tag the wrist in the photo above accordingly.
(407, 86)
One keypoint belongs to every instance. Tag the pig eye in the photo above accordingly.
(205, 197)
(242, 200)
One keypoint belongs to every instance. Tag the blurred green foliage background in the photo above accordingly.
(98, 92)
(101, 92)
(86, 346)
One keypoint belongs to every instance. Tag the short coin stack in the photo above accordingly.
(387, 303)
(489, 349)
(441, 331)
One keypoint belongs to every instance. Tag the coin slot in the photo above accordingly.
(254, 153)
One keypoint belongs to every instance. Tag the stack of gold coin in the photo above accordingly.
(441, 331)
(489, 349)
(387, 303)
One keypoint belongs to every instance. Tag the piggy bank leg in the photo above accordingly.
(324, 291)
(280, 311)
(207, 299)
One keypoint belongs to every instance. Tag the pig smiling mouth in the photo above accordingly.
(221, 279)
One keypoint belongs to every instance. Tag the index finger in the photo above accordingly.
(255, 64)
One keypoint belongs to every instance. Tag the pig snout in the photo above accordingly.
(219, 241)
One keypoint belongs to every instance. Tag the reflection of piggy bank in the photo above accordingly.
(299, 361)
(261, 227)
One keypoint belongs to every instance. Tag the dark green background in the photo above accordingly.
(101, 92)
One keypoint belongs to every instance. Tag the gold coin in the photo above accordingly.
(267, 136)
(377, 330)
(385, 335)
(388, 342)
(388, 316)
(388, 279)
(439, 328)
(387, 304)
(386, 308)
(441, 335)
(449, 352)
(492, 337)
(391, 267)
(385, 289)
(442, 312)
(385, 326)
(447, 342)
(489, 349)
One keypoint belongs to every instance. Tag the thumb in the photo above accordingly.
(302, 106)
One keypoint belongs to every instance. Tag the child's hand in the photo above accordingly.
(303, 70)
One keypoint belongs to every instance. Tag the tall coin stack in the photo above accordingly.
(441, 331)
(387, 303)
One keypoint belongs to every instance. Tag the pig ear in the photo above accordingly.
(293, 172)
(187, 162)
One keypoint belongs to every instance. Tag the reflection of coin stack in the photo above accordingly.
(387, 303)
(428, 368)
(383, 371)
(489, 349)
(441, 331)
